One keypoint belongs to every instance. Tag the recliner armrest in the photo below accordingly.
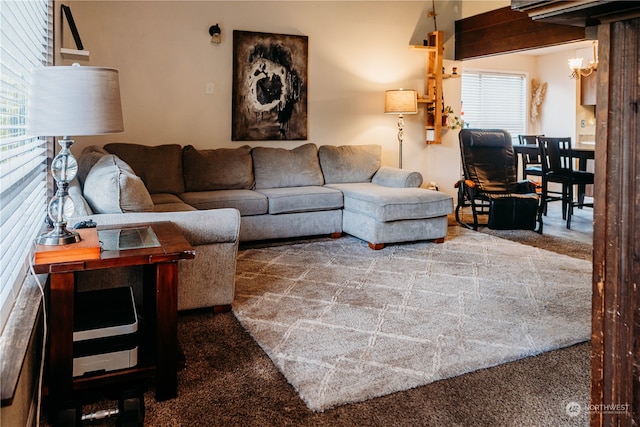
(395, 177)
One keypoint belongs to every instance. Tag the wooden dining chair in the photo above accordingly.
(530, 156)
(558, 167)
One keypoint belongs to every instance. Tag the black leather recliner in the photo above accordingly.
(490, 186)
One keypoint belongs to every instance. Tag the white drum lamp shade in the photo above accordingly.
(74, 100)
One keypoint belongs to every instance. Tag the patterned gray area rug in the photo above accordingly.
(344, 323)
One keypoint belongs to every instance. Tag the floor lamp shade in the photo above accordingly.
(69, 101)
(401, 101)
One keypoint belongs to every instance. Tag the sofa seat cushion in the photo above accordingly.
(349, 163)
(111, 186)
(302, 199)
(219, 169)
(393, 204)
(164, 202)
(160, 167)
(248, 202)
(279, 167)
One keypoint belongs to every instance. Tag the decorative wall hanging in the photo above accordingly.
(538, 91)
(269, 87)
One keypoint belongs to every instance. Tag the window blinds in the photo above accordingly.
(26, 41)
(495, 101)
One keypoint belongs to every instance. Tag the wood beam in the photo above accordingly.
(583, 13)
(506, 31)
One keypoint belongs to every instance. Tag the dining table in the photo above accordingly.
(582, 154)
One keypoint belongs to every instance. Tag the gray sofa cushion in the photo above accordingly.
(165, 202)
(248, 202)
(279, 167)
(112, 187)
(349, 163)
(160, 167)
(219, 169)
(392, 204)
(302, 199)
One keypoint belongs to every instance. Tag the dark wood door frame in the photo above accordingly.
(615, 342)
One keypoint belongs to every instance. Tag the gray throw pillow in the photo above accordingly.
(159, 167)
(279, 167)
(112, 187)
(349, 163)
(89, 157)
(219, 169)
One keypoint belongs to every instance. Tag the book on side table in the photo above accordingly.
(87, 248)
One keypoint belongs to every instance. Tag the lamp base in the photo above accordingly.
(58, 236)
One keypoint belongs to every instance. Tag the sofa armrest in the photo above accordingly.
(394, 177)
(200, 227)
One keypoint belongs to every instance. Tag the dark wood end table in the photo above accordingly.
(157, 247)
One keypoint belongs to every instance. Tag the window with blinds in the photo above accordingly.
(26, 41)
(495, 101)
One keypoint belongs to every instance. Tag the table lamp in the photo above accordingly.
(400, 101)
(71, 100)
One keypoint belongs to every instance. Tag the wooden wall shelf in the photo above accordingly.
(74, 52)
(433, 96)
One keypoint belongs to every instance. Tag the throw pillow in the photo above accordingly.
(159, 167)
(89, 157)
(279, 167)
(219, 169)
(112, 187)
(349, 163)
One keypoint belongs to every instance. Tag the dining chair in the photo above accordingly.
(530, 155)
(558, 167)
(529, 139)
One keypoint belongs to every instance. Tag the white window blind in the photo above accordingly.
(495, 101)
(26, 41)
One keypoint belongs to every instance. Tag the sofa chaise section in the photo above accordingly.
(383, 204)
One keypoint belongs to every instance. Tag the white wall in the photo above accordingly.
(357, 50)
(558, 112)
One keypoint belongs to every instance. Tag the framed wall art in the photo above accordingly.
(269, 99)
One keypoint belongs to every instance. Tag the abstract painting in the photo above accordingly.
(269, 87)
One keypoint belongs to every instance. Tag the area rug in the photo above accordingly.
(345, 324)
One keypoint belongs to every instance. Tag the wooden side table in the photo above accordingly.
(155, 246)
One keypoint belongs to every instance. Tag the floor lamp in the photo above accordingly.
(71, 100)
(400, 102)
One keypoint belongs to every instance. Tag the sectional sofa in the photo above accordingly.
(219, 197)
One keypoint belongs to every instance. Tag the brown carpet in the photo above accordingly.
(230, 381)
